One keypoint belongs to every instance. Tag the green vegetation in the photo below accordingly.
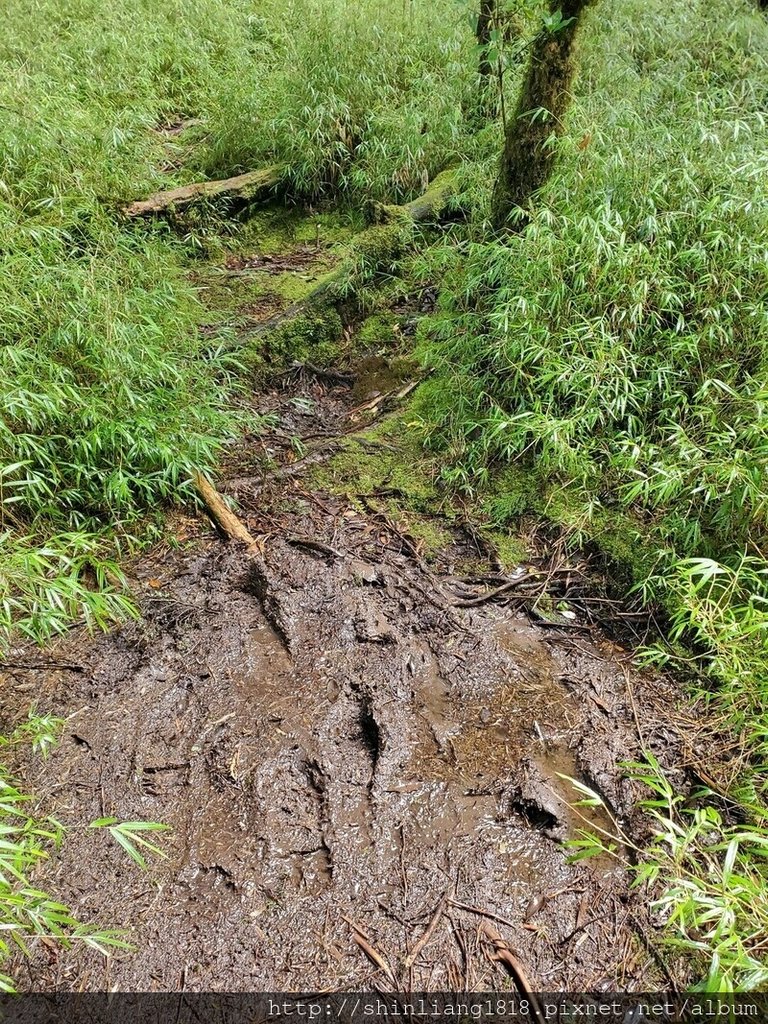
(714, 907)
(109, 394)
(615, 350)
(606, 367)
(367, 98)
(385, 459)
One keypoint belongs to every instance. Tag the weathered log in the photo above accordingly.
(251, 187)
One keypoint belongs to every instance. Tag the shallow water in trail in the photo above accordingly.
(348, 747)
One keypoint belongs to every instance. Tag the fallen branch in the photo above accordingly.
(235, 530)
(223, 516)
(251, 187)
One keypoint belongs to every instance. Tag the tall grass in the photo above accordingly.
(609, 363)
(368, 97)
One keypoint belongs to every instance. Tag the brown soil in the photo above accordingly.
(300, 258)
(351, 748)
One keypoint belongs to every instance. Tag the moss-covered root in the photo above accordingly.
(376, 247)
(428, 204)
(379, 245)
(251, 187)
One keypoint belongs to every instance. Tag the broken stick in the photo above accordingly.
(223, 516)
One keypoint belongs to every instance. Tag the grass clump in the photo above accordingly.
(313, 335)
(384, 458)
(714, 908)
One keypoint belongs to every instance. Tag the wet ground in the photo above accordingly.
(353, 756)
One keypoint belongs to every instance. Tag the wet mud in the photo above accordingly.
(345, 754)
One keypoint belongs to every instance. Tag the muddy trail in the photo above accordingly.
(361, 748)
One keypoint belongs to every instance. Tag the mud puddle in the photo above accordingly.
(340, 750)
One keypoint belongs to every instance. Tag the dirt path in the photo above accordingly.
(341, 753)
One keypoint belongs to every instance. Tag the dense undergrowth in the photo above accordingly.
(614, 352)
(607, 367)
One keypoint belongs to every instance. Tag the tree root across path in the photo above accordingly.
(374, 249)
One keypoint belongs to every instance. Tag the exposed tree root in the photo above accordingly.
(332, 376)
(503, 954)
(372, 250)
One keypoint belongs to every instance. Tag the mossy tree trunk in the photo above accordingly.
(544, 98)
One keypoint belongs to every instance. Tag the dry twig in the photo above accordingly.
(511, 961)
(410, 960)
(364, 942)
